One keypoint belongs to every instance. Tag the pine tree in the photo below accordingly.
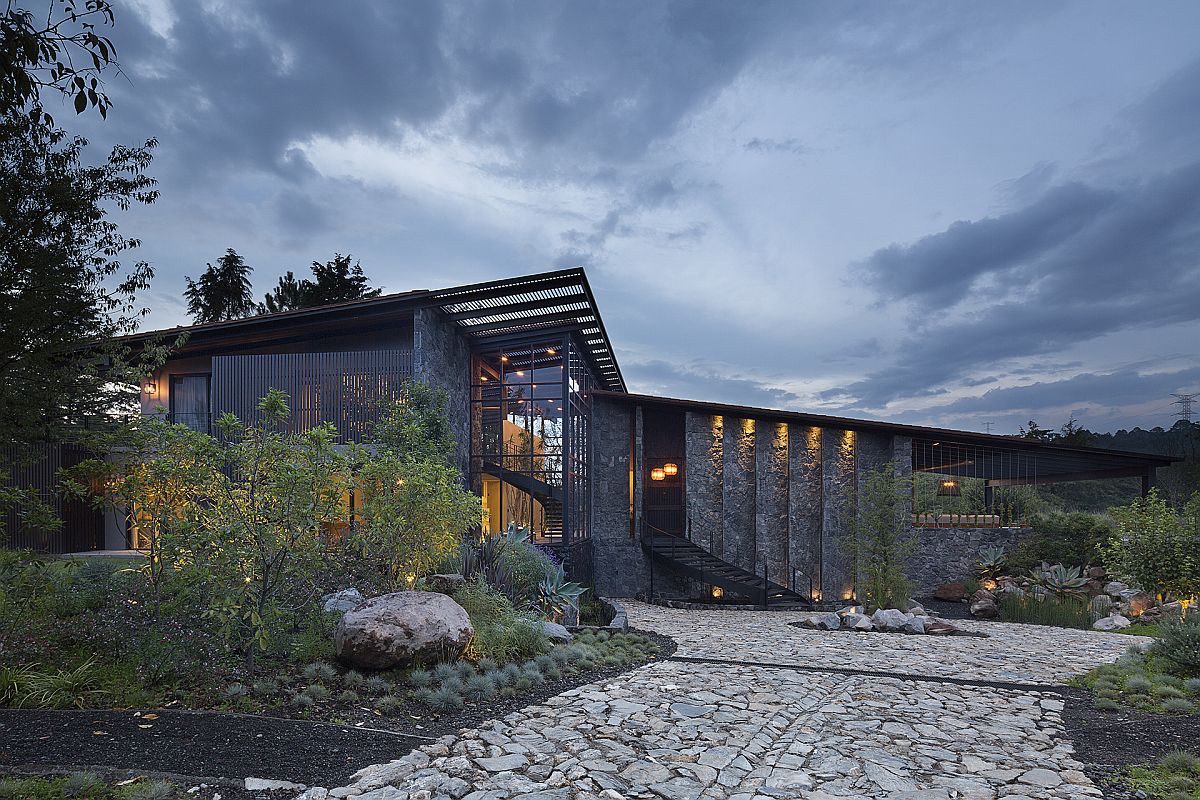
(287, 296)
(222, 292)
(337, 282)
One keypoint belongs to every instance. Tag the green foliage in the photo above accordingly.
(1175, 775)
(501, 632)
(1157, 547)
(558, 598)
(1064, 582)
(1179, 645)
(63, 279)
(446, 699)
(990, 563)
(1057, 538)
(335, 281)
(479, 687)
(222, 292)
(1062, 612)
(418, 426)
(420, 678)
(880, 542)
(320, 672)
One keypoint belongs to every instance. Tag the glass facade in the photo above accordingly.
(530, 440)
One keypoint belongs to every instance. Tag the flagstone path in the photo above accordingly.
(974, 718)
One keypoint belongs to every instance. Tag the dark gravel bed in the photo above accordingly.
(1107, 741)
(230, 747)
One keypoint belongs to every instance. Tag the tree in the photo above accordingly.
(287, 295)
(335, 281)
(222, 292)
(63, 283)
(879, 542)
(40, 51)
(1157, 547)
(418, 426)
(338, 282)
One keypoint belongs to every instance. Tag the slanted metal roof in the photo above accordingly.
(547, 302)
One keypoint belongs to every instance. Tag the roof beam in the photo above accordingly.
(1063, 477)
(510, 308)
(581, 317)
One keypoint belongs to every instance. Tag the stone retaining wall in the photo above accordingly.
(944, 555)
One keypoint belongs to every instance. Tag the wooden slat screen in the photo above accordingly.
(349, 389)
(37, 468)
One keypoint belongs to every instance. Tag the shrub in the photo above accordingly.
(236, 691)
(1179, 644)
(302, 700)
(424, 696)
(446, 699)
(82, 784)
(388, 703)
(348, 696)
(1062, 539)
(1177, 705)
(1163, 692)
(1180, 783)
(420, 678)
(1138, 684)
(1193, 685)
(1180, 761)
(353, 679)
(1157, 547)
(377, 684)
(501, 632)
(317, 691)
(152, 790)
(320, 671)
(444, 671)
(879, 542)
(479, 687)
(1061, 612)
(1105, 704)
(265, 687)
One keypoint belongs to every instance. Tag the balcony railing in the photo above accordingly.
(353, 390)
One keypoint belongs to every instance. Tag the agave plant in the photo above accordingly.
(557, 595)
(1064, 581)
(990, 562)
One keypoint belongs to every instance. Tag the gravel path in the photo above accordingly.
(687, 729)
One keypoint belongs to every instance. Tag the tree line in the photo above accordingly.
(224, 291)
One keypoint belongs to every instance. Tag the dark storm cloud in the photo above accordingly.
(1078, 263)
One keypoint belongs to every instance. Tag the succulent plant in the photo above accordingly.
(990, 563)
(1064, 581)
(320, 671)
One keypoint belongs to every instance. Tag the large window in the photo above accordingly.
(530, 440)
(190, 401)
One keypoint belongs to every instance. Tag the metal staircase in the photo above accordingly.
(685, 557)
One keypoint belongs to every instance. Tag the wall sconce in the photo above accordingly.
(657, 474)
(717, 592)
(670, 469)
(151, 388)
(949, 488)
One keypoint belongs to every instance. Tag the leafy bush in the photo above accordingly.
(1179, 644)
(1157, 547)
(1180, 761)
(1064, 612)
(880, 541)
(1062, 539)
(501, 632)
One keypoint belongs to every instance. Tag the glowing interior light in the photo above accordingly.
(657, 474)
(670, 469)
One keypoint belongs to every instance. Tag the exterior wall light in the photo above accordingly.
(550, 351)
(670, 469)
(151, 388)
(717, 593)
(949, 488)
(657, 474)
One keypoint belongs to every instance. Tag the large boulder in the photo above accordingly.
(1139, 603)
(394, 630)
(556, 632)
(342, 601)
(984, 605)
(954, 592)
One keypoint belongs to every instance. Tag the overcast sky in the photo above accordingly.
(946, 213)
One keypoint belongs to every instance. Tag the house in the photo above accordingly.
(636, 493)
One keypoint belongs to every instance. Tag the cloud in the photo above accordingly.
(695, 382)
(792, 146)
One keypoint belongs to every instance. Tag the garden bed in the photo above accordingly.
(274, 743)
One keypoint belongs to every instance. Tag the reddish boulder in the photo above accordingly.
(954, 592)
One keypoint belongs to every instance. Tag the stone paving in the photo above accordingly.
(686, 731)
(1011, 653)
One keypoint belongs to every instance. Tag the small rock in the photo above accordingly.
(1040, 776)
(857, 622)
(444, 583)
(502, 763)
(1114, 588)
(939, 628)
(1139, 603)
(913, 625)
(889, 619)
(342, 601)
(268, 785)
(988, 609)
(689, 710)
(556, 632)
(828, 621)
(1111, 623)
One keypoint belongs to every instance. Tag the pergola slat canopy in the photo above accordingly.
(549, 302)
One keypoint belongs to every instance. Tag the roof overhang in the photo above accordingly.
(1002, 460)
(547, 303)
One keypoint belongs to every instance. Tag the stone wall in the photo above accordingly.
(442, 358)
(943, 555)
(619, 567)
(704, 478)
(738, 501)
